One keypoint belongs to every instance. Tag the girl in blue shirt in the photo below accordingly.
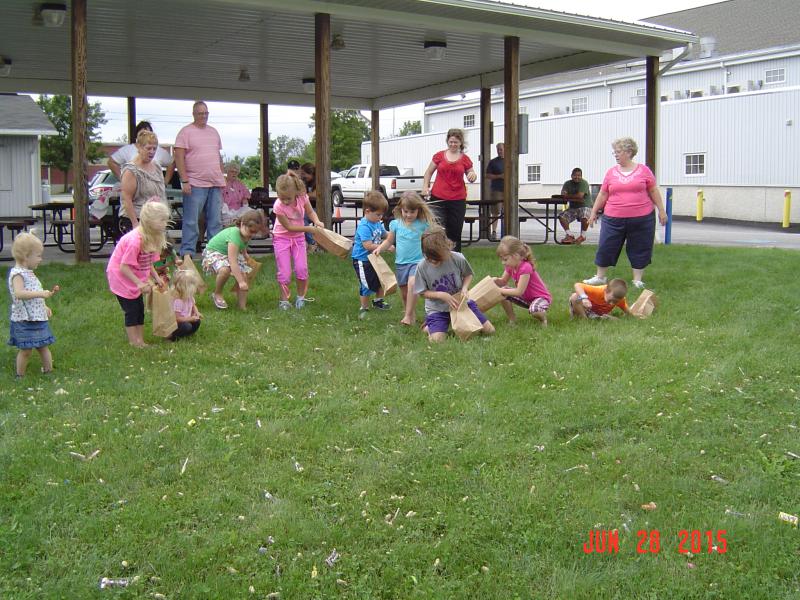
(412, 217)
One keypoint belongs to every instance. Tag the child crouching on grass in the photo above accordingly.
(597, 301)
(530, 292)
(185, 283)
(30, 316)
(130, 271)
(369, 233)
(442, 274)
(226, 255)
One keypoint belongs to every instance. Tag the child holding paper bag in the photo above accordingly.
(369, 233)
(412, 217)
(442, 275)
(530, 292)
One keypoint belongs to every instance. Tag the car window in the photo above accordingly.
(389, 170)
(361, 171)
(352, 172)
(110, 178)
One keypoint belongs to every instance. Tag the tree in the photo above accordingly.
(411, 128)
(57, 149)
(281, 150)
(349, 129)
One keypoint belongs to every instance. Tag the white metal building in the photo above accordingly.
(728, 123)
(22, 123)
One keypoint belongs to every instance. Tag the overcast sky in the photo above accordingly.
(238, 123)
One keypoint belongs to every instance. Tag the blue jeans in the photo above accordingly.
(208, 199)
(309, 238)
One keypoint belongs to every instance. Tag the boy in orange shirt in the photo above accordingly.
(597, 301)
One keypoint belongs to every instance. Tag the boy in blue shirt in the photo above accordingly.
(369, 233)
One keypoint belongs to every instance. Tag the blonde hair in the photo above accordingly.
(186, 282)
(24, 245)
(627, 144)
(154, 213)
(288, 184)
(413, 201)
(511, 245)
(618, 288)
(146, 137)
(457, 133)
(435, 244)
(376, 202)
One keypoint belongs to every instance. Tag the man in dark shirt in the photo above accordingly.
(576, 191)
(495, 173)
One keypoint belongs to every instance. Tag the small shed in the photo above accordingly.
(22, 123)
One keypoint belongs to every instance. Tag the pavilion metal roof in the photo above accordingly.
(190, 49)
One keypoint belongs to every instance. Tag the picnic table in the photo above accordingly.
(527, 208)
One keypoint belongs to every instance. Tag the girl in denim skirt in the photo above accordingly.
(30, 315)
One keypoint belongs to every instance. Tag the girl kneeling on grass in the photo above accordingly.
(531, 292)
(442, 274)
(130, 267)
(185, 283)
(226, 255)
(30, 315)
(412, 217)
(288, 237)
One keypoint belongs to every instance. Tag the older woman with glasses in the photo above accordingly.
(628, 198)
(235, 195)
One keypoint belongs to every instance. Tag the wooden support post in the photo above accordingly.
(322, 101)
(264, 124)
(376, 150)
(80, 187)
(511, 163)
(486, 141)
(131, 120)
(651, 113)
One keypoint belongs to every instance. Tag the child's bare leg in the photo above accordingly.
(578, 310)
(404, 295)
(509, 308)
(540, 316)
(241, 297)
(222, 278)
(22, 361)
(437, 337)
(302, 287)
(136, 335)
(488, 328)
(364, 302)
(410, 301)
(47, 359)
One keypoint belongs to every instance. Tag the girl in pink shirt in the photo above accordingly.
(130, 271)
(185, 283)
(530, 292)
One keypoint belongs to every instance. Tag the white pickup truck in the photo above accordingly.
(358, 181)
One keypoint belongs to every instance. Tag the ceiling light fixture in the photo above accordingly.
(435, 50)
(243, 74)
(5, 66)
(337, 43)
(53, 15)
(309, 85)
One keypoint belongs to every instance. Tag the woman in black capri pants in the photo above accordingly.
(628, 197)
(448, 198)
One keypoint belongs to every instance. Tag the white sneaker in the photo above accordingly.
(638, 284)
(299, 302)
(596, 280)
(284, 305)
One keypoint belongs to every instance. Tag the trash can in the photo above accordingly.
(45, 191)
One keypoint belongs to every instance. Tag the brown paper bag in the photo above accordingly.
(645, 304)
(255, 266)
(333, 242)
(465, 323)
(486, 294)
(385, 274)
(189, 265)
(164, 322)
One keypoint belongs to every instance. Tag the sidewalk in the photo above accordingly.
(684, 231)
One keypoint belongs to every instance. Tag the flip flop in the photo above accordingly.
(220, 304)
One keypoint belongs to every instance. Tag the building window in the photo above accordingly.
(695, 164)
(580, 104)
(775, 76)
(534, 173)
(469, 120)
(641, 92)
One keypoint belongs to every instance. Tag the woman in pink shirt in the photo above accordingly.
(448, 198)
(627, 198)
(235, 195)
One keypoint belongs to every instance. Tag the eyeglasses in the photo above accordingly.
(202, 114)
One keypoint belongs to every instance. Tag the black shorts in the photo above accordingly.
(133, 309)
(637, 234)
(367, 277)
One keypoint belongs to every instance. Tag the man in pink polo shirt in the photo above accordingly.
(199, 162)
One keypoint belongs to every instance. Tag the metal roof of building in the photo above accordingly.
(20, 115)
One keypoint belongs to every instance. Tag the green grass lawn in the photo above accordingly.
(243, 456)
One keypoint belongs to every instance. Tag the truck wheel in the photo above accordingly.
(337, 198)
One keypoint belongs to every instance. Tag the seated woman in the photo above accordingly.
(235, 195)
